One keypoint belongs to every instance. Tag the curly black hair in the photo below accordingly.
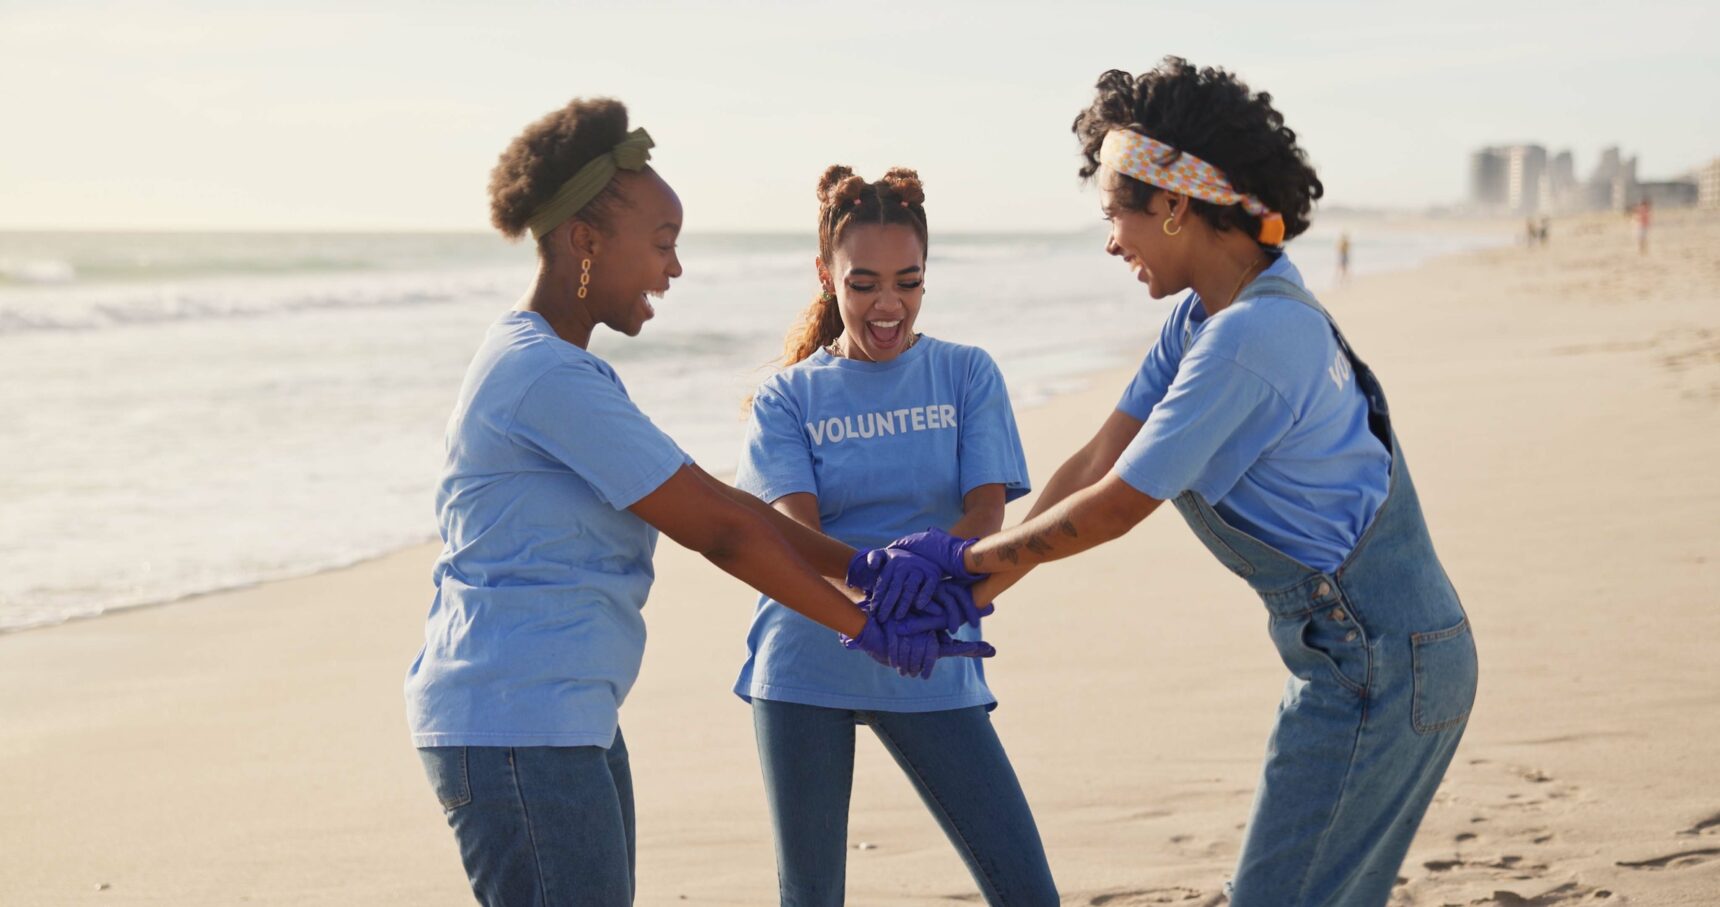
(547, 154)
(1211, 114)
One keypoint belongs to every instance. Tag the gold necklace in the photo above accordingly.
(1242, 280)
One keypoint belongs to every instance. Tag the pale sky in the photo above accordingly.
(388, 115)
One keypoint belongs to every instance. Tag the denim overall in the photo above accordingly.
(1383, 675)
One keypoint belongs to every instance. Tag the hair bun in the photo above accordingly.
(834, 176)
(847, 192)
(906, 184)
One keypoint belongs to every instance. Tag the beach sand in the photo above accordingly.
(1560, 408)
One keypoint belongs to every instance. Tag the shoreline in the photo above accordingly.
(1038, 391)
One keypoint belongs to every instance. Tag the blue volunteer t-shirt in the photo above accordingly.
(889, 449)
(535, 633)
(1257, 410)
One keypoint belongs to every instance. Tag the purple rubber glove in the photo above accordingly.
(942, 549)
(912, 654)
(955, 601)
(895, 581)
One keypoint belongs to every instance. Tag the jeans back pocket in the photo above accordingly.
(1445, 677)
(446, 766)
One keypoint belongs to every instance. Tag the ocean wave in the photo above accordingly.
(37, 271)
(41, 309)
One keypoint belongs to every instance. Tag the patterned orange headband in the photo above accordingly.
(1157, 164)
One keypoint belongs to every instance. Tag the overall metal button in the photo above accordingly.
(1351, 636)
(1323, 590)
(1337, 614)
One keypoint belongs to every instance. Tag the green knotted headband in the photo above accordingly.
(576, 193)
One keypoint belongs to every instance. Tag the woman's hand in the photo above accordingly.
(913, 646)
(895, 582)
(942, 549)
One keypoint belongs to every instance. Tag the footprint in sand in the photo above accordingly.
(1708, 826)
(1679, 860)
(1510, 862)
(1564, 894)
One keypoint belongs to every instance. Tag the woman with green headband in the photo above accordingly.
(550, 501)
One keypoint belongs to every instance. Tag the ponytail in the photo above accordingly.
(819, 326)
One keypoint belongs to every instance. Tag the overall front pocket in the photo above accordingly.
(1445, 677)
(1330, 642)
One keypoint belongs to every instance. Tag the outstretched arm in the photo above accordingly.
(703, 514)
(1083, 468)
(798, 525)
(1086, 519)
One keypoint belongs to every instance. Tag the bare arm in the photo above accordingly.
(1090, 517)
(802, 508)
(1083, 468)
(800, 527)
(702, 514)
(982, 512)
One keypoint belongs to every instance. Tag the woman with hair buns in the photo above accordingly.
(550, 501)
(872, 430)
(1254, 415)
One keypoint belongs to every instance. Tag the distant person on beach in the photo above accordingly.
(551, 498)
(1344, 257)
(1641, 216)
(869, 432)
(1545, 231)
(1253, 414)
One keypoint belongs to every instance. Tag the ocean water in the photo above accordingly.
(184, 412)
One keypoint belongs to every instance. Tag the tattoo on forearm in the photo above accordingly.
(1037, 544)
(1068, 527)
(1010, 553)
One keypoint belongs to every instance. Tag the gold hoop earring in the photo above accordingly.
(584, 277)
(827, 297)
(1168, 230)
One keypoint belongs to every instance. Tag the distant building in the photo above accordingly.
(1523, 180)
(1526, 170)
(1612, 186)
(1487, 179)
(1708, 184)
(1562, 193)
(1509, 178)
(1669, 193)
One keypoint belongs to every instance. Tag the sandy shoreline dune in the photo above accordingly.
(1560, 409)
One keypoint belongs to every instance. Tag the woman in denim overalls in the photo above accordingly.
(1273, 439)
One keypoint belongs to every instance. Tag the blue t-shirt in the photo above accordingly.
(535, 634)
(1258, 411)
(889, 449)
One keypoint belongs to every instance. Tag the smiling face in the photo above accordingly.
(636, 258)
(1138, 235)
(877, 272)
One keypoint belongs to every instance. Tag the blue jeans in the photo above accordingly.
(540, 825)
(954, 760)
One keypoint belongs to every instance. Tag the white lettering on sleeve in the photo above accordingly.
(1340, 369)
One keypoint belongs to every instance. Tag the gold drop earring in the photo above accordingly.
(584, 277)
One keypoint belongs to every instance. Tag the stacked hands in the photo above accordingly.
(917, 593)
